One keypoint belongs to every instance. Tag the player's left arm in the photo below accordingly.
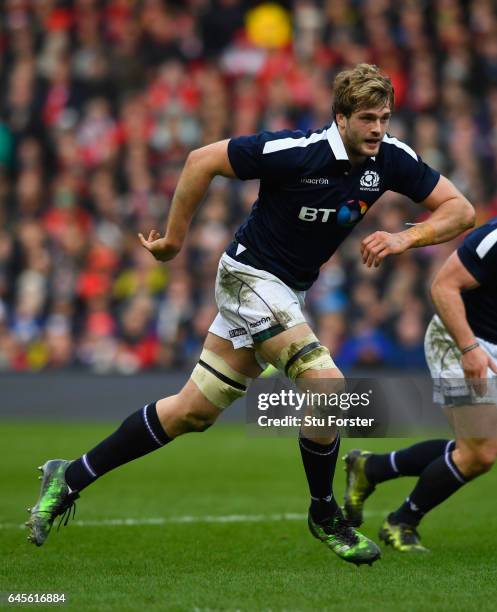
(451, 214)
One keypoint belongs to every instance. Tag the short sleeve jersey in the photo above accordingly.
(478, 254)
(311, 198)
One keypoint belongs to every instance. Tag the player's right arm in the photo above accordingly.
(451, 212)
(450, 281)
(201, 166)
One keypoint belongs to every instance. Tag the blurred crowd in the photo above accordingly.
(100, 103)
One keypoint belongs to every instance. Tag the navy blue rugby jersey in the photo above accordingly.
(478, 254)
(311, 198)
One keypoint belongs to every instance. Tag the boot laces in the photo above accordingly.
(341, 528)
(68, 507)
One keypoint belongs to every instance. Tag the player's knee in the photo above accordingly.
(303, 355)
(480, 459)
(309, 363)
(217, 381)
(483, 459)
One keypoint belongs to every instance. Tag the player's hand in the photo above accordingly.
(159, 247)
(475, 365)
(376, 246)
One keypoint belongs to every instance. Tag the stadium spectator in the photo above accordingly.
(101, 103)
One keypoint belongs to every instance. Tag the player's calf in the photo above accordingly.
(187, 412)
(194, 421)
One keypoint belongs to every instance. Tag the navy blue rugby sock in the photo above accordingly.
(139, 434)
(319, 464)
(409, 461)
(438, 481)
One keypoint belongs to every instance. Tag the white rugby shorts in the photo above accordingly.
(253, 304)
(444, 360)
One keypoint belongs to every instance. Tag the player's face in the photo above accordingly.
(363, 131)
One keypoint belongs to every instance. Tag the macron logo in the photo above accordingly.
(315, 181)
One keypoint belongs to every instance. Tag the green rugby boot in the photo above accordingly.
(401, 536)
(357, 488)
(344, 540)
(56, 499)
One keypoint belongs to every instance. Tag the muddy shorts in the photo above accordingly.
(253, 304)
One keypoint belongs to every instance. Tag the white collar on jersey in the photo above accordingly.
(336, 143)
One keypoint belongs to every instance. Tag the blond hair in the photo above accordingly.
(361, 87)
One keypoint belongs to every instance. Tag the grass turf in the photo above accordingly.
(267, 565)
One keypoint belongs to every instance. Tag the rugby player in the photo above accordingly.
(460, 348)
(314, 188)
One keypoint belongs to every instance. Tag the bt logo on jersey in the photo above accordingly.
(348, 214)
(315, 214)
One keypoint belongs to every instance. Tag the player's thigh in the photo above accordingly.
(242, 359)
(475, 421)
(223, 373)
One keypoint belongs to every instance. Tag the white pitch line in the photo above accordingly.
(229, 518)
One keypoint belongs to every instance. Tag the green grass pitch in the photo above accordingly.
(260, 563)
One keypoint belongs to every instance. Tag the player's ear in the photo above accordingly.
(340, 119)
